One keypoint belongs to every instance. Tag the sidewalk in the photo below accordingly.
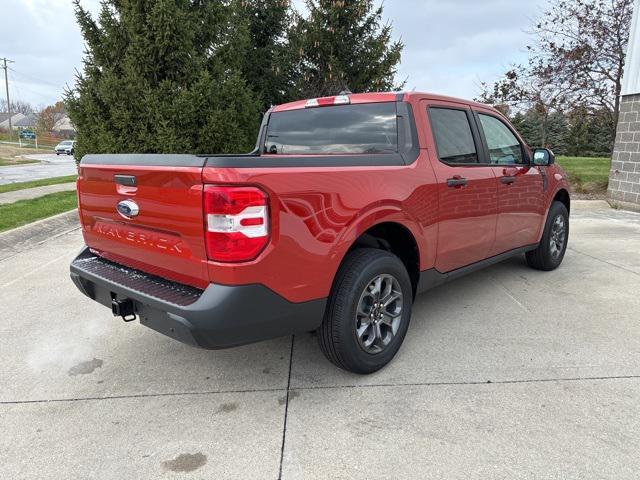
(28, 236)
(28, 193)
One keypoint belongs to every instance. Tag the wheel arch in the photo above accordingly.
(562, 196)
(396, 238)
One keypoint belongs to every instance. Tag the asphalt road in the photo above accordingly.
(507, 373)
(51, 165)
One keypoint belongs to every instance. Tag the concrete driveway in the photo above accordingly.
(508, 373)
(51, 165)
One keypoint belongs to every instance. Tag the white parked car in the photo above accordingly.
(65, 146)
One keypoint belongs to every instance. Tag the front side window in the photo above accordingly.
(344, 129)
(452, 134)
(504, 147)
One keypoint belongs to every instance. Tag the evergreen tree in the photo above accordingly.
(589, 133)
(528, 125)
(535, 125)
(343, 45)
(162, 76)
(601, 133)
(578, 132)
(266, 66)
(557, 129)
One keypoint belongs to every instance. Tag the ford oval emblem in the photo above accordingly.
(128, 208)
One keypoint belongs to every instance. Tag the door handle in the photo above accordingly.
(126, 180)
(456, 182)
(508, 180)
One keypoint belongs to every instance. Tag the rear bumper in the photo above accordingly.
(220, 316)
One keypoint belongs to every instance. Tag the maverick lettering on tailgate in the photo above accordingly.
(153, 240)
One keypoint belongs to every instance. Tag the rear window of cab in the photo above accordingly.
(346, 129)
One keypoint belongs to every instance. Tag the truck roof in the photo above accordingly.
(378, 97)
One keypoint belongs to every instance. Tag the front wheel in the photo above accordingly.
(368, 311)
(555, 237)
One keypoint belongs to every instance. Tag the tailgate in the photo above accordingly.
(145, 212)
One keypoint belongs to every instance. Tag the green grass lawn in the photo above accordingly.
(13, 161)
(19, 213)
(12, 187)
(587, 175)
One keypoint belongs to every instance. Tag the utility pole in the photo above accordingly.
(6, 86)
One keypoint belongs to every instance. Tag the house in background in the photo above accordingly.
(27, 123)
(4, 120)
(64, 127)
(61, 128)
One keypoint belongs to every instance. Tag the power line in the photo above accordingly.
(6, 86)
(19, 86)
(34, 78)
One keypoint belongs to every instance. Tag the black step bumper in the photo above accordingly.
(218, 317)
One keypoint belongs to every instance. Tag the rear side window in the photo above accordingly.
(452, 134)
(504, 147)
(345, 129)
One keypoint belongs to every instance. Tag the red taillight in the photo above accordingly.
(237, 222)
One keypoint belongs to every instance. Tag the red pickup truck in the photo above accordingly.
(347, 209)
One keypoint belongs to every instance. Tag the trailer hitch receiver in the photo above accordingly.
(123, 308)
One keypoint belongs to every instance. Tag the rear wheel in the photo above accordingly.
(368, 312)
(555, 237)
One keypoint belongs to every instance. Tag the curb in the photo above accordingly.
(27, 236)
(620, 205)
(35, 162)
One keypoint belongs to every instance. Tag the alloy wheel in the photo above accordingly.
(558, 236)
(379, 313)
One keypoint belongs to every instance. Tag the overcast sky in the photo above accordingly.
(450, 45)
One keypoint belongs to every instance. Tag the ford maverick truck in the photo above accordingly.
(348, 208)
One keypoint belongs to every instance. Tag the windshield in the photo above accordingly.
(347, 129)
(66, 142)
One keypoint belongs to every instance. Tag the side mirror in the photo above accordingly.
(543, 157)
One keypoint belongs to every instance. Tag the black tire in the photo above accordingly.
(548, 256)
(338, 338)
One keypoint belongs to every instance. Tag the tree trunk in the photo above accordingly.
(545, 122)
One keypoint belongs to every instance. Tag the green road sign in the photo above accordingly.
(28, 134)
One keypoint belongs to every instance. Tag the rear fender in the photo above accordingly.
(375, 215)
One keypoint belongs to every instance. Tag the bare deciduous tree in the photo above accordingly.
(49, 116)
(519, 89)
(576, 61)
(17, 106)
(581, 45)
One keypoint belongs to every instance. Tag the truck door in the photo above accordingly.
(467, 190)
(521, 206)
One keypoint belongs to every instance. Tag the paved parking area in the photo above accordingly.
(51, 165)
(507, 373)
